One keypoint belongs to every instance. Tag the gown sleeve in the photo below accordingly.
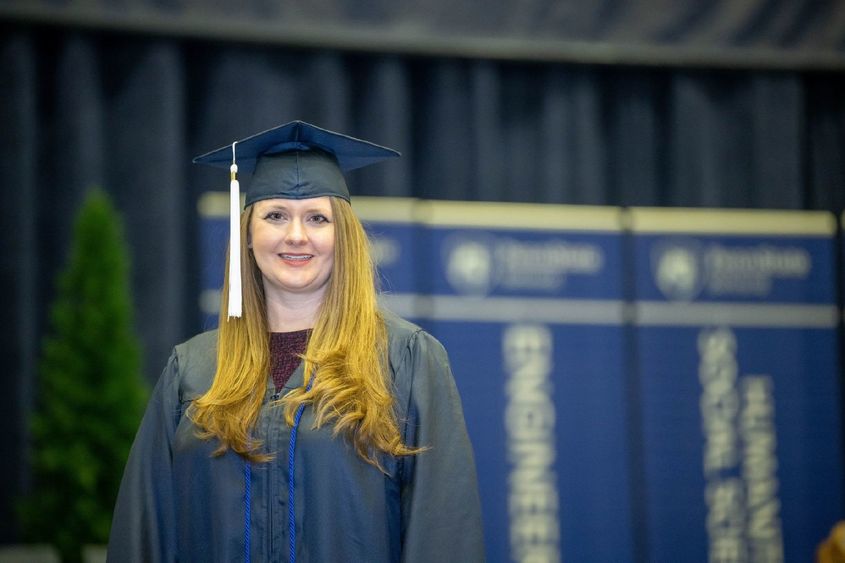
(441, 509)
(143, 522)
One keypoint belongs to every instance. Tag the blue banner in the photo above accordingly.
(738, 373)
(527, 300)
(213, 209)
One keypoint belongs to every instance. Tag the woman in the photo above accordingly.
(358, 452)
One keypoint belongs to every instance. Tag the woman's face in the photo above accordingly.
(293, 244)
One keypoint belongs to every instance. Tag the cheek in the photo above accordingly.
(260, 238)
(326, 242)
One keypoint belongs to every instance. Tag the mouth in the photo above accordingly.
(296, 257)
(296, 260)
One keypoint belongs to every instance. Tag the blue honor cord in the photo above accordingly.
(291, 470)
(291, 496)
(247, 503)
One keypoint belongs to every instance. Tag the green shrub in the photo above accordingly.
(90, 392)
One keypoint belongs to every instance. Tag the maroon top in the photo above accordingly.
(285, 348)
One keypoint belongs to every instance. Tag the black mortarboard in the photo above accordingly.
(296, 160)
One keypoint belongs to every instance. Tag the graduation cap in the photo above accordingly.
(296, 160)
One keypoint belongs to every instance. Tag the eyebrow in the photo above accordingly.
(283, 207)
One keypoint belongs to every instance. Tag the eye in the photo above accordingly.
(273, 216)
(319, 218)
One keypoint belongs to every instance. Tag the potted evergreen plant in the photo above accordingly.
(91, 394)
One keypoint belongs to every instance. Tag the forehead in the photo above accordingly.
(322, 203)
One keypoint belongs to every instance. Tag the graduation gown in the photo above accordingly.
(178, 503)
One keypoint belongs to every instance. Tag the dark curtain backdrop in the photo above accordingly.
(748, 33)
(127, 112)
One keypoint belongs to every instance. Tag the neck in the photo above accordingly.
(291, 312)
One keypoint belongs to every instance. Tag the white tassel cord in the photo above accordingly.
(235, 298)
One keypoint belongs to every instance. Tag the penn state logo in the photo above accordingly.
(469, 264)
(677, 269)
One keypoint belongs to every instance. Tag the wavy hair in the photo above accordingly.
(346, 355)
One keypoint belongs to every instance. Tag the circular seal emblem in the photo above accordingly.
(677, 270)
(469, 264)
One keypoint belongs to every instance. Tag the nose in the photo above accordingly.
(296, 233)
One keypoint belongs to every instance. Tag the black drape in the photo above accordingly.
(127, 112)
(749, 33)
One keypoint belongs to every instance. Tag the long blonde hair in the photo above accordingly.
(346, 355)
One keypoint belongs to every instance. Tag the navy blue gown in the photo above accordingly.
(179, 503)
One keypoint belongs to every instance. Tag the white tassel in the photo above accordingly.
(234, 241)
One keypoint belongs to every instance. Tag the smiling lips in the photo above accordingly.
(296, 259)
